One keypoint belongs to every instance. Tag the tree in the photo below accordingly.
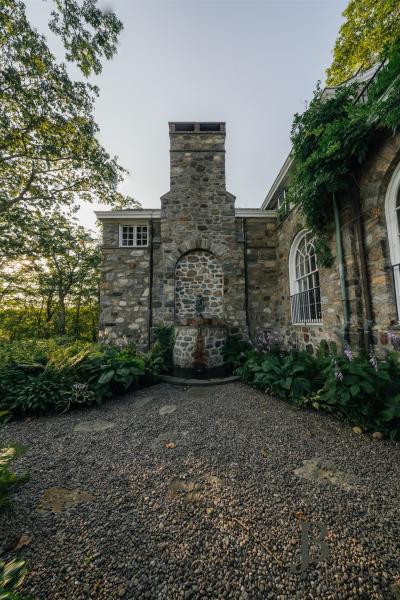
(50, 156)
(371, 26)
(59, 277)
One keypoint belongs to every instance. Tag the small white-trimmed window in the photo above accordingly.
(305, 293)
(135, 236)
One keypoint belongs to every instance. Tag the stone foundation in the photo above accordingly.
(199, 347)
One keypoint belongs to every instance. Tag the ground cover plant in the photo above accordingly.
(12, 573)
(359, 389)
(39, 376)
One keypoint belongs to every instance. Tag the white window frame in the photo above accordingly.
(294, 281)
(392, 224)
(135, 236)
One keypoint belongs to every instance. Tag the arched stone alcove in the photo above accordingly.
(198, 273)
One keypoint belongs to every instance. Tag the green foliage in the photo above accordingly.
(87, 32)
(51, 376)
(7, 478)
(50, 156)
(111, 370)
(234, 351)
(288, 376)
(370, 27)
(163, 348)
(54, 289)
(331, 139)
(361, 390)
(12, 575)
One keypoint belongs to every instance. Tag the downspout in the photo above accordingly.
(246, 282)
(150, 319)
(342, 280)
(366, 289)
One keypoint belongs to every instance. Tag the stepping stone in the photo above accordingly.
(213, 480)
(186, 489)
(57, 499)
(318, 469)
(167, 409)
(167, 436)
(191, 490)
(95, 425)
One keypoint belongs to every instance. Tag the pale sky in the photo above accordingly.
(252, 64)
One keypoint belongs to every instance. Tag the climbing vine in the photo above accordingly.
(331, 139)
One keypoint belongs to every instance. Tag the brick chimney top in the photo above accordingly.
(194, 127)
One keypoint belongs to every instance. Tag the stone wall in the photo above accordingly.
(301, 335)
(200, 247)
(261, 268)
(199, 214)
(124, 291)
(198, 273)
(199, 347)
(373, 179)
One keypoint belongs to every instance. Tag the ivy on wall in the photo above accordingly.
(331, 140)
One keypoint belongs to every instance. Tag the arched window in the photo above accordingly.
(392, 210)
(305, 295)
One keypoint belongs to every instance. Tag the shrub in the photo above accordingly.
(110, 370)
(163, 348)
(43, 377)
(292, 376)
(12, 575)
(7, 477)
(235, 351)
(361, 390)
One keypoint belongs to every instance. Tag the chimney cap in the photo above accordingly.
(196, 127)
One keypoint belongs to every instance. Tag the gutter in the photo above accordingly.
(342, 280)
(246, 282)
(366, 288)
(150, 308)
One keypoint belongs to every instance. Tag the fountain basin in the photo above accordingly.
(198, 346)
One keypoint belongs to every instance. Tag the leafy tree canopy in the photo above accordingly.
(331, 139)
(370, 27)
(50, 157)
(59, 276)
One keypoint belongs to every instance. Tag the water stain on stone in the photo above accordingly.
(57, 499)
(318, 469)
(167, 409)
(95, 425)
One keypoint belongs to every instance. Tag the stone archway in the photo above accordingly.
(198, 272)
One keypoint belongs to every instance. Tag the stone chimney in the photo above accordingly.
(197, 155)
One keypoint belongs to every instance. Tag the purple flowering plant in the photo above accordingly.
(394, 339)
(268, 341)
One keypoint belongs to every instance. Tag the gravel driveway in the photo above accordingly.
(174, 493)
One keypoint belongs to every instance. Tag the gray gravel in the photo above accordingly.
(215, 515)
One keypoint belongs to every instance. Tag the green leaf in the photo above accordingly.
(106, 377)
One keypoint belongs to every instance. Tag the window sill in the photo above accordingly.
(318, 323)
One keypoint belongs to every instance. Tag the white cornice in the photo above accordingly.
(155, 213)
(254, 213)
(280, 178)
(118, 215)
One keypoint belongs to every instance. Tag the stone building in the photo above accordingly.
(196, 261)
(210, 269)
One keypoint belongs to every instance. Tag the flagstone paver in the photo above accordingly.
(206, 501)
